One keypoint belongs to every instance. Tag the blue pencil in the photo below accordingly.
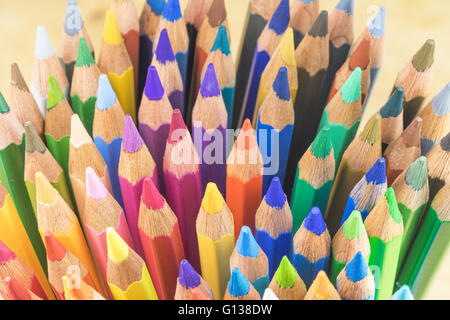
(404, 293)
(267, 43)
(107, 131)
(273, 225)
(274, 129)
(239, 288)
(367, 191)
(311, 247)
(248, 257)
(356, 282)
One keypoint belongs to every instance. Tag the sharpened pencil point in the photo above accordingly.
(372, 131)
(45, 193)
(131, 141)
(172, 10)
(94, 186)
(164, 51)
(404, 293)
(269, 295)
(111, 31)
(275, 196)
(84, 55)
(411, 135)
(177, 127)
(78, 133)
(377, 174)
(314, 222)
(394, 105)
(117, 248)
(424, 58)
(281, 85)
(322, 144)
(188, 277)
(213, 201)
(351, 89)
(320, 26)
(4, 108)
(154, 89)
(393, 205)
(417, 174)
(151, 196)
(238, 285)
(221, 42)
(321, 286)
(55, 249)
(286, 275)
(17, 78)
(32, 140)
(346, 5)
(353, 227)
(445, 143)
(378, 23)
(73, 21)
(280, 18)
(106, 97)
(210, 85)
(55, 94)
(441, 102)
(157, 5)
(6, 254)
(357, 269)
(246, 244)
(43, 49)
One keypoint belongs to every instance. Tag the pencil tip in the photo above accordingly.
(404, 293)
(217, 13)
(172, 10)
(424, 58)
(94, 186)
(213, 201)
(106, 97)
(280, 18)
(286, 275)
(372, 131)
(275, 196)
(269, 295)
(117, 248)
(157, 6)
(221, 42)
(45, 192)
(247, 125)
(394, 105)
(73, 21)
(378, 23)
(246, 244)
(445, 143)
(238, 286)
(131, 141)
(84, 55)
(320, 26)
(281, 85)
(177, 127)
(154, 89)
(322, 145)
(6, 254)
(17, 78)
(346, 5)
(55, 94)
(111, 31)
(377, 174)
(393, 205)
(417, 174)
(4, 107)
(43, 49)
(78, 133)
(32, 140)
(351, 89)
(151, 196)
(164, 51)
(314, 222)
(210, 85)
(361, 56)
(322, 286)
(353, 227)
(188, 277)
(55, 249)
(411, 135)
(441, 102)
(357, 269)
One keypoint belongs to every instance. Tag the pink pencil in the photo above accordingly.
(183, 186)
(135, 165)
(102, 211)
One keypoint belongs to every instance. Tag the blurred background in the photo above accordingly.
(409, 24)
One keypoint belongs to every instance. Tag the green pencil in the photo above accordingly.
(411, 189)
(429, 246)
(12, 155)
(384, 227)
(314, 178)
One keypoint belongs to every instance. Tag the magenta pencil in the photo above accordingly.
(135, 164)
(183, 185)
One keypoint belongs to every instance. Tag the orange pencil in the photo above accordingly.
(78, 289)
(19, 291)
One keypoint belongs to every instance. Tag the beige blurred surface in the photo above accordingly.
(409, 24)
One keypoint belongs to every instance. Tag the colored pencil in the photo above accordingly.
(284, 56)
(161, 240)
(429, 246)
(392, 118)
(45, 63)
(436, 120)
(251, 260)
(18, 241)
(19, 291)
(438, 162)
(403, 151)
(80, 290)
(350, 238)
(360, 58)
(273, 226)
(209, 125)
(59, 260)
(343, 115)
(274, 129)
(244, 178)
(12, 145)
(115, 62)
(266, 46)
(74, 29)
(404, 293)
(220, 57)
(286, 283)
(183, 185)
(322, 289)
(102, 211)
(148, 26)
(5, 292)
(216, 16)
(135, 164)
(39, 159)
(128, 22)
(57, 218)
(57, 127)
(259, 13)
(303, 15)
(84, 86)
(356, 161)
(269, 295)
(313, 179)
(83, 154)
(366, 193)
(311, 247)
(412, 191)
(172, 20)
(415, 78)
(385, 230)
(215, 236)
(155, 115)
(312, 57)
(188, 280)
(22, 102)
(340, 30)
(169, 73)
(128, 277)
(13, 266)
(239, 288)
(107, 131)
(355, 281)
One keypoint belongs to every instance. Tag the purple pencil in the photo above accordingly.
(155, 115)
(209, 124)
(135, 165)
(183, 185)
